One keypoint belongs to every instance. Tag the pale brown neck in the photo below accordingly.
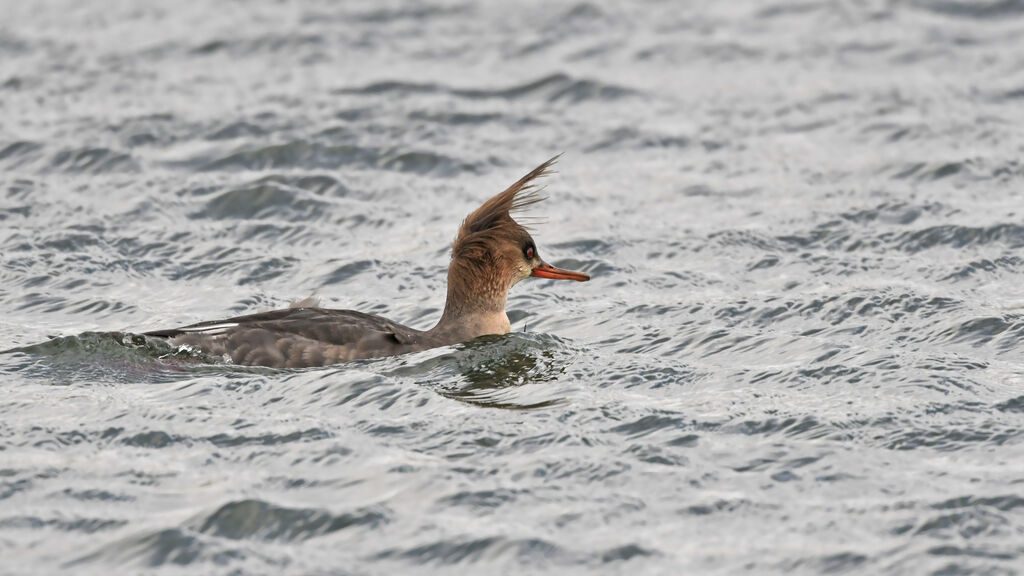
(471, 310)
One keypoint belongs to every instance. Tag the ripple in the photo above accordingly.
(19, 154)
(258, 520)
(633, 138)
(83, 525)
(955, 236)
(236, 129)
(263, 199)
(800, 351)
(266, 43)
(472, 551)
(93, 161)
(234, 440)
(983, 10)
(172, 546)
(949, 438)
(508, 372)
(479, 499)
(650, 424)
(305, 154)
(553, 88)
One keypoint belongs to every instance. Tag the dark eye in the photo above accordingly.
(528, 251)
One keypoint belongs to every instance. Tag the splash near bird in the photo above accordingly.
(491, 253)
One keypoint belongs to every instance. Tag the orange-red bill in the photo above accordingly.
(545, 270)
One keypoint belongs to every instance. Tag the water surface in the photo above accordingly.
(801, 350)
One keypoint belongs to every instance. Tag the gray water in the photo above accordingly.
(800, 351)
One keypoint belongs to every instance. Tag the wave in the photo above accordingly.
(553, 88)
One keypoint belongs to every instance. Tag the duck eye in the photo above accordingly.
(528, 252)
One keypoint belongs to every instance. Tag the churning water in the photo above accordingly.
(801, 350)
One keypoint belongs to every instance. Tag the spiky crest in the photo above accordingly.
(493, 219)
(479, 276)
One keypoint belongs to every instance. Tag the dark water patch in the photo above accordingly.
(649, 424)
(840, 311)
(305, 154)
(348, 271)
(96, 494)
(236, 129)
(1003, 503)
(265, 198)
(704, 190)
(9, 488)
(12, 44)
(981, 331)
(555, 88)
(625, 553)
(1011, 405)
(896, 213)
(966, 524)
(259, 520)
(19, 154)
(625, 138)
(393, 87)
(492, 371)
(93, 161)
(234, 440)
(168, 547)
(39, 302)
(244, 270)
(890, 132)
(794, 9)
(150, 130)
(972, 552)
(479, 500)
(838, 563)
(108, 356)
(298, 234)
(1010, 235)
(980, 10)
(23, 189)
(950, 438)
(419, 13)
(805, 427)
(263, 43)
(656, 455)
(838, 236)
(647, 373)
(950, 363)
(986, 268)
(13, 83)
(447, 118)
(299, 154)
(423, 162)
(151, 439)
(83, 525)
(747, 238)
(719, 506)
(477, 550)
(927, 172)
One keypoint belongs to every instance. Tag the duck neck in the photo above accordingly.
(471, 310)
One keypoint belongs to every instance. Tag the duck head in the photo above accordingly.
(493, 252)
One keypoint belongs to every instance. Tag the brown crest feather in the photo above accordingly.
(494, 219)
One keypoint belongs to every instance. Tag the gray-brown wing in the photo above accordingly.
(297, 337)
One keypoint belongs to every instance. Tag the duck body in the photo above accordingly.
(300, 337)
(490, 255)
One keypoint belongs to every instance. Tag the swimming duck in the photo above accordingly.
(491, 253)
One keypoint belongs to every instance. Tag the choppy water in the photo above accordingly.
(801, 351)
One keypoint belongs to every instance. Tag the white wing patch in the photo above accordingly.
(211, 330)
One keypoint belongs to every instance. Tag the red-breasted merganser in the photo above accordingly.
(491, 253)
